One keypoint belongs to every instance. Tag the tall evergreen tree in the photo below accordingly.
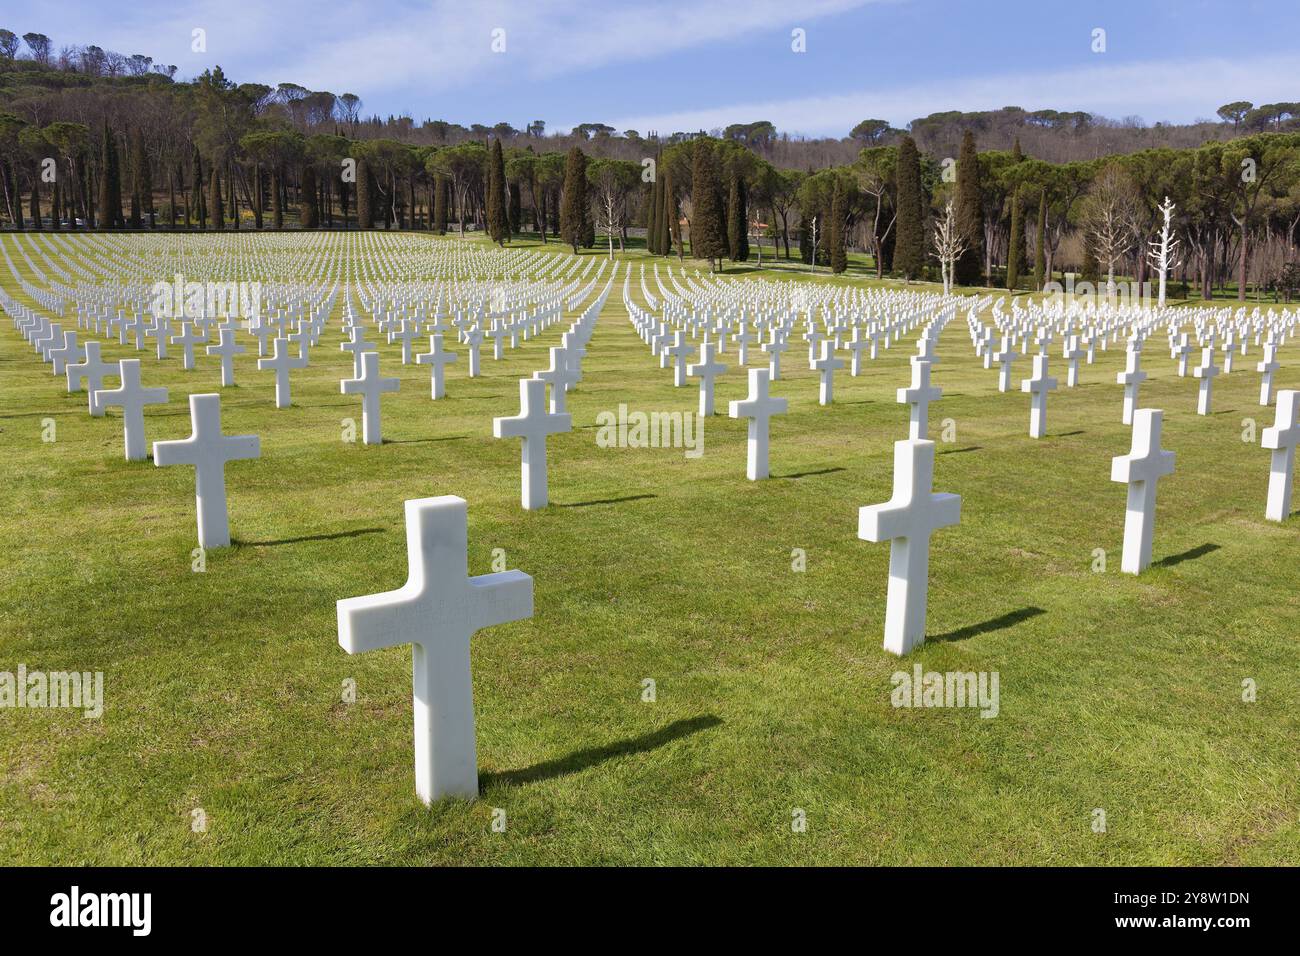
(970, 213)
(707, 233)
(909, 239)
(575, 217)
(36, 205)
(497, 225)
(1015, 242)
(143, 178)
(215, 202)
(198, 201)
(110, 187)
(1040, 243)
(652, 219)
(738, 220)
(673, 218)
(515, 209)
(835, 230)
(440, 188)
(308, 213)
(365, 199)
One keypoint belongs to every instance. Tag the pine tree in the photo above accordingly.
(909, 241)
(440, 204)
(308, 213)
(365, 209)
(970, 213)
(1040, 244)
(575, 218)
(738, 221)
(1015, 242)
(215, 206)
(707, 237)
(835, 230)
(498, 227)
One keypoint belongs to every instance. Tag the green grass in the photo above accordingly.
(223, 689)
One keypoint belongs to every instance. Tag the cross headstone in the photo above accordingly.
(1140, 469)
(706, 370)
(532, 424)
(131, 398)
(92, 370)
(187, 340)
(208, 451)
(826, 365)
(1131, 378)
(227, 348)
(919, 396)
(758, 407)
(1282, 437)
(282, 360)
(437, 612)
(1004, 357)
(371, 389)
(437, 358)
(1038, 386)
(1205, 372)
(907, 520)
(1266, 368)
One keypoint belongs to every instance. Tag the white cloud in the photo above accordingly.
(1175, 90)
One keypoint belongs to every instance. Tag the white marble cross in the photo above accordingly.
(532, 424)
(371, 389)
(281, 361)
(1180, 352)
(1140, 469)
(65, 353)
(437, 611)
(1266, 368)
(1205, 372)
(1038, 386)
(1072, 355)
(907, 520)
(208, 451)
(437, 358)
(227, 348)
(357, 345)
(1131, 378)
(131, 398)
(187, 340)
(679, 354)
(758, 407)
(1004, 357)
(774, 349)
(826, 365)
(1282, 437)
(706, 370)
(857, 345)
(560, 376)
(92, 370)
(919, 396)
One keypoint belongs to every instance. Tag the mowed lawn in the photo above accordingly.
(223, 689)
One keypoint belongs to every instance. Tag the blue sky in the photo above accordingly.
(668, 65)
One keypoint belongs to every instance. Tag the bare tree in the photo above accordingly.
(949, 244)
(1109, 209)
(1163, 253)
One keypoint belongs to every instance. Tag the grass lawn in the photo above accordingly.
(223, 689)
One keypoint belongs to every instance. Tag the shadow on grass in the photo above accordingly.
(958, 451)
(1078, 431)
(604, 501)
(809, 474)
(356, 533)
(1010, 619)
(1199, 551)
(416, 441)
(581, 760)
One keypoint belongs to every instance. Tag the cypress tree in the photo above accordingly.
(365, 212)
(909, 241)
(738, 221)
(707, 234)
(109, 215)
(1040, 244)
(516, 209)
(144, 180)
(672, 219)
(440, 204)
(198, 201)
(215, 202)
(497, 226)
(36, 205)
(970, 215)
(1016, 242)
(308, 213)
(56, 214)
(575, 220)
(139, 180)
(835, 230)
(652, 219)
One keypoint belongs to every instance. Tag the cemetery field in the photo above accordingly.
(224, 688)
